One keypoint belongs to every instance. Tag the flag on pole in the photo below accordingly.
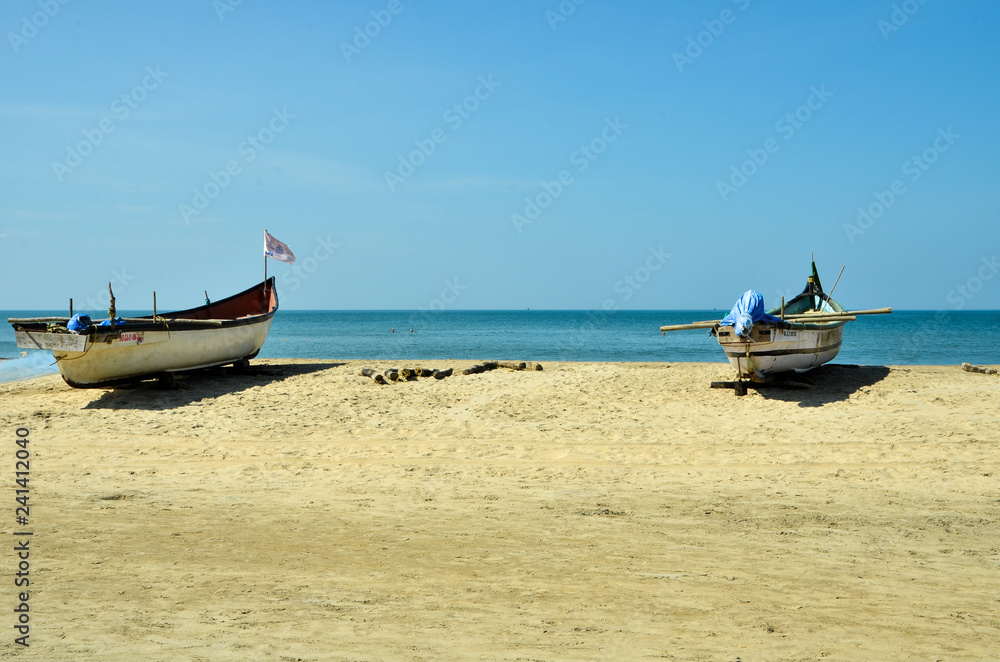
(276, 249)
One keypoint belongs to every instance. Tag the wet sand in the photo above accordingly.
(590, 511)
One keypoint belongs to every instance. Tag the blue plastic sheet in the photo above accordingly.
(748, 309)
(116, 322)
(79, 323)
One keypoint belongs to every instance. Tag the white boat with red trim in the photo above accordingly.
(228, 331)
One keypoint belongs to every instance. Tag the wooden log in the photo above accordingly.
(476, 369)
(739, 387)
(407, 374)
(512, 365)
(968, 367)
(425, 372)
(534, 366)
(392, 374)
(441, 374)
(376, 376)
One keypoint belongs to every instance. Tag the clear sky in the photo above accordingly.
(489, 155)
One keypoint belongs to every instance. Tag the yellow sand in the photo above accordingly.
(586, 512)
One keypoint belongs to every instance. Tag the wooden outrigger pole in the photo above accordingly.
(847, 316)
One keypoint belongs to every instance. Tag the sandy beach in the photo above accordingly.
(589, 511)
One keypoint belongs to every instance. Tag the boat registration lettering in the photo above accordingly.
(789, 333)
(131, 338)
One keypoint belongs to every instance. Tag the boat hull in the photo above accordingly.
(160, 352)
(227, 331)
(772, 349)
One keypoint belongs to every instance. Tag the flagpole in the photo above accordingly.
(265, 268)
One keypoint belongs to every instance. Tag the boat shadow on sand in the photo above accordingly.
(823, 385)
(186, 388)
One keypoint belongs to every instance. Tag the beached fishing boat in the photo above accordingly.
(798, 335)
(774, 343)
(120, 350)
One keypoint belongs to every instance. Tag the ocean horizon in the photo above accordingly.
(905, 337)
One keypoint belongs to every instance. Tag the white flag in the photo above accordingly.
(276, 249)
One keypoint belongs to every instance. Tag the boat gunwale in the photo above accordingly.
(171, 321)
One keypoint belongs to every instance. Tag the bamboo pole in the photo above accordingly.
(828, 296)
(692, 325)
(847, 315)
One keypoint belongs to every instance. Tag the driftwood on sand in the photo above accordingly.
(968, 367)
(391, 375)
(493, 365)
(376, 376)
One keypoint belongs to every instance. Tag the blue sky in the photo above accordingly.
(492, 155)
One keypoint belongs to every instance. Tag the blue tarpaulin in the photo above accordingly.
(749, 309)
(80, 323)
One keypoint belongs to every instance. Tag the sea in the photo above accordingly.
(902, 338)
